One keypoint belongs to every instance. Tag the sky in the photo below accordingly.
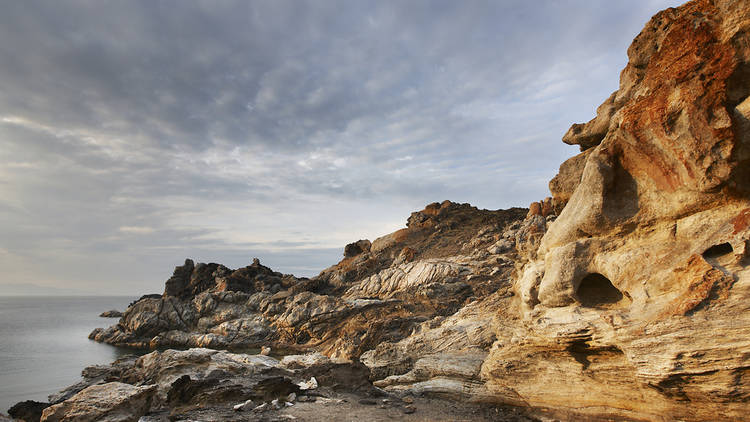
(135, 134)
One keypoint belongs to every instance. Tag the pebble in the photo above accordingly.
(261, 408)
(409, 409)
(244, 406)
(308, 385)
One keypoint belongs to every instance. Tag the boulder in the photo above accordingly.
(28, 410)
(110, 402)
(356, 248)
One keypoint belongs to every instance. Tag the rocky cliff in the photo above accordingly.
(449, 255)
(626, 295)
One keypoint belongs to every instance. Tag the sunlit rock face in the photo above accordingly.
(637, 302)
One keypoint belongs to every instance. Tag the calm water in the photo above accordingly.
(44, 343)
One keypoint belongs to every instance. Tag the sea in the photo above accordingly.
(44, 343)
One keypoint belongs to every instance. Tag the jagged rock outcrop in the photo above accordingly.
(449, 254)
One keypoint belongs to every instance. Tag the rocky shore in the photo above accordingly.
(212, 385)
(623, 296)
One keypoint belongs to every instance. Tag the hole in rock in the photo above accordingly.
(718, 250)
(596, 291)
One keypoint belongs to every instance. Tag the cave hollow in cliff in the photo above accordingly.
(597, 291)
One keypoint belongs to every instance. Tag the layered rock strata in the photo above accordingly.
(449, 254)
(637, 298)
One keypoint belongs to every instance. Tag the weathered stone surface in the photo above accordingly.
(303, 361)
(636, 298)
(592, 133)
(377, 293)
(111, 402)
(567, 179)
(211, 385)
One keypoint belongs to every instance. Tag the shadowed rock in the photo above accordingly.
(29, 410)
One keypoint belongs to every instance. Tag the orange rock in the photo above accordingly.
(535, 208)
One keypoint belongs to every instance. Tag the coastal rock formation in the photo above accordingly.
(625, 295)
(637, 298)
(213, 385)
(449, 254)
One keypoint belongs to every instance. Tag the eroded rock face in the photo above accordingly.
(449, 255)
(636, 299)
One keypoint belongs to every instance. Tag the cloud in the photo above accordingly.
(134, 134)
(136, 229)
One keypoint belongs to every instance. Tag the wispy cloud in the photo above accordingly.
(136, 229)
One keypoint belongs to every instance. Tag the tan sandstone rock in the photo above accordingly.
(636, 301)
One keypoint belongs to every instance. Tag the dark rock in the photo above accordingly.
(275, 388)
(217, 387)
(356, 248)
(148, 296)
(111, 314)
(353, 376)
(176, 285)
(29, 410)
